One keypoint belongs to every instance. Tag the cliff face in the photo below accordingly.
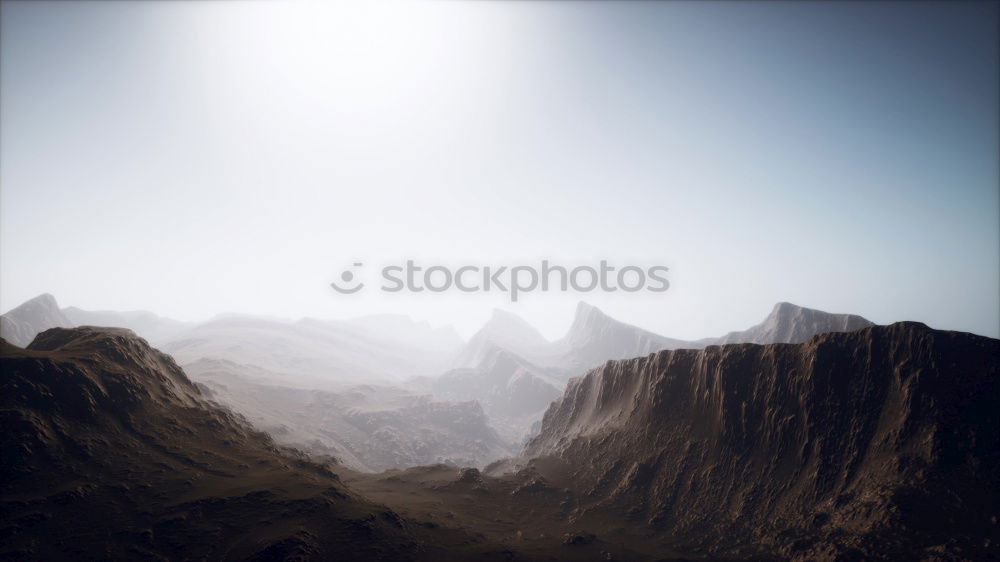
(883, 440)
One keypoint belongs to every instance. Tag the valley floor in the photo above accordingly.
(522, 516)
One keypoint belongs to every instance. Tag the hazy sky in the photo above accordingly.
(193, 158)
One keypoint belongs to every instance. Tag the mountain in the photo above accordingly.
(111, 452)
(329, 350)
(503, 330)
(513, 391)
(20, 325)
(594, 337)
(788, 323)
(403, 329)
(514, 372)
(881, 443)
(146, 325)
(366, 427)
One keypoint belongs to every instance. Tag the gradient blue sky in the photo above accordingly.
(194, 158)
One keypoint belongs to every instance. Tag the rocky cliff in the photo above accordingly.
(882, 442)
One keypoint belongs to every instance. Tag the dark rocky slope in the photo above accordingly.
(876, 444)
(109, 451)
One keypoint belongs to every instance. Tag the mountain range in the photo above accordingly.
(511, 369)
(879, 443)
(422, 394)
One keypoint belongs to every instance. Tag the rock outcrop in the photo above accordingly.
(882, 442)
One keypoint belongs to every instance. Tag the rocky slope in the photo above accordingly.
(20, 325)
(513, 391)
(881, 443)
(366, 427)
(110, 452)
(514, 372)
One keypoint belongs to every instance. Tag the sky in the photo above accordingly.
(196, 158)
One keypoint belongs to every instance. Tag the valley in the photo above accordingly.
(845, 440)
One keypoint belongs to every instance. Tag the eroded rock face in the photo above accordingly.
(883, 440)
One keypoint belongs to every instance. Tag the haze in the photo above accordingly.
(197, 158)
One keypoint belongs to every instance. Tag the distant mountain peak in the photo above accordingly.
(504, 325)
(45, 301)
(791, 323)
(589, 318)
(503, 330)
(784, 309)
(21, 324)
(784, 306)
(46, 298)
(595, 337)
(501, 316)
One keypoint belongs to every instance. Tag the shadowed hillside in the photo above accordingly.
(109, 451)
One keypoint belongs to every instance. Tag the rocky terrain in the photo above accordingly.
(111, 452)
(369, 428)
(513, 391)
(879, 443)
(514, 372)
(384, 391)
